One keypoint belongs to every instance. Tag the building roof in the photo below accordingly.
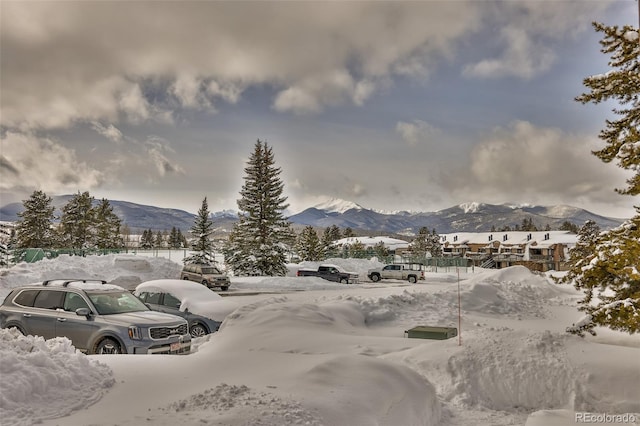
(537, 238)
(390, 243)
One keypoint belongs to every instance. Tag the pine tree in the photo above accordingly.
(348, 233)
(583, 250)
(420, 246)
(146, 241)
(612, 268)
(622, 83)
(201, 231)
(329, 236)
(158, 241)
(107, 226)
(606, 264)
(175, 238)
(259, 241)
(5, 236)
(76, 223)
(308, 245)
(435, 246)
(568, 226)
(34, 229)
(381, 250)
(528, 225)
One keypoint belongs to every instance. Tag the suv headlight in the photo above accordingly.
(134, 333)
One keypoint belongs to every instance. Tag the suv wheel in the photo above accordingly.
(412, 279)
(108, 346)
(375, 278)
(197, 330)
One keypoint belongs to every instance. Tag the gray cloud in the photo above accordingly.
(110, 132)
(522, 161)
(157, 150)
(418, 131)
(70, 61)
(6, 165)
(526, 31)
(51, 166)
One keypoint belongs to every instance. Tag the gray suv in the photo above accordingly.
(97, 317)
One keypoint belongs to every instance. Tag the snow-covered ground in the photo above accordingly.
(304, 351)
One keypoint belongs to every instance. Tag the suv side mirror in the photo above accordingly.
(83, 312)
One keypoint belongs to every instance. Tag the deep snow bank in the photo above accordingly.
(124, 270)
(339, 382)
(511, 371)
(46, 379)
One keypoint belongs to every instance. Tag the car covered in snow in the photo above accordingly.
(97, 317)
(203, 309)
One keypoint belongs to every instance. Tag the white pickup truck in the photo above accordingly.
(398, 271)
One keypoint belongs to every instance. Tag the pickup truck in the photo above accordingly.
(331, 273)
(398, 271)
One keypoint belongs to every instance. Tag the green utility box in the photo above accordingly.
(435, 333)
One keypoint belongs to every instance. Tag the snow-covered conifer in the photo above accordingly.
(107, 226)
(330, 234)
(308, 245)
(259, 241)
(419, 246)
(611, 268)
(621, 83)
(5, 235)
(34, 229)
(77, 221)
(201, 231)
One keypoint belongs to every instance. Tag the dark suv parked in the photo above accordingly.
(97, 317)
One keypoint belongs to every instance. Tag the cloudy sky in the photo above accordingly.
(392, 105)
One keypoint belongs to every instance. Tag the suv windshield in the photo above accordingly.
(116, 302)
(211, 270)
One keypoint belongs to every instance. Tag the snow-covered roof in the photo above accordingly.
(390, 243)
(541, 238)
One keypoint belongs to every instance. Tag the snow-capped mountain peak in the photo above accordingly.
(336, 205)
(471, 207)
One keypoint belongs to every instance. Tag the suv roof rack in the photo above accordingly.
(66, 281)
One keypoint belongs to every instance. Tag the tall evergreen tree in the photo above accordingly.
(329, 236)
(5, 236)
(435, 246)
(420, 245)
(175, 238)
(583, 250)
(201, 231)
(612, 268)
(259, 241)
(381, 250)
(34, 229)
(146, 241)
(308, 245)
(107, 226)
(158, 241)
(76, 223)
(621, 83)
(568, 226)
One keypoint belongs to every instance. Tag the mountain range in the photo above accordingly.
(467, 217)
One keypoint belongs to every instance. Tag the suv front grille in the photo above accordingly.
(164, 332)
